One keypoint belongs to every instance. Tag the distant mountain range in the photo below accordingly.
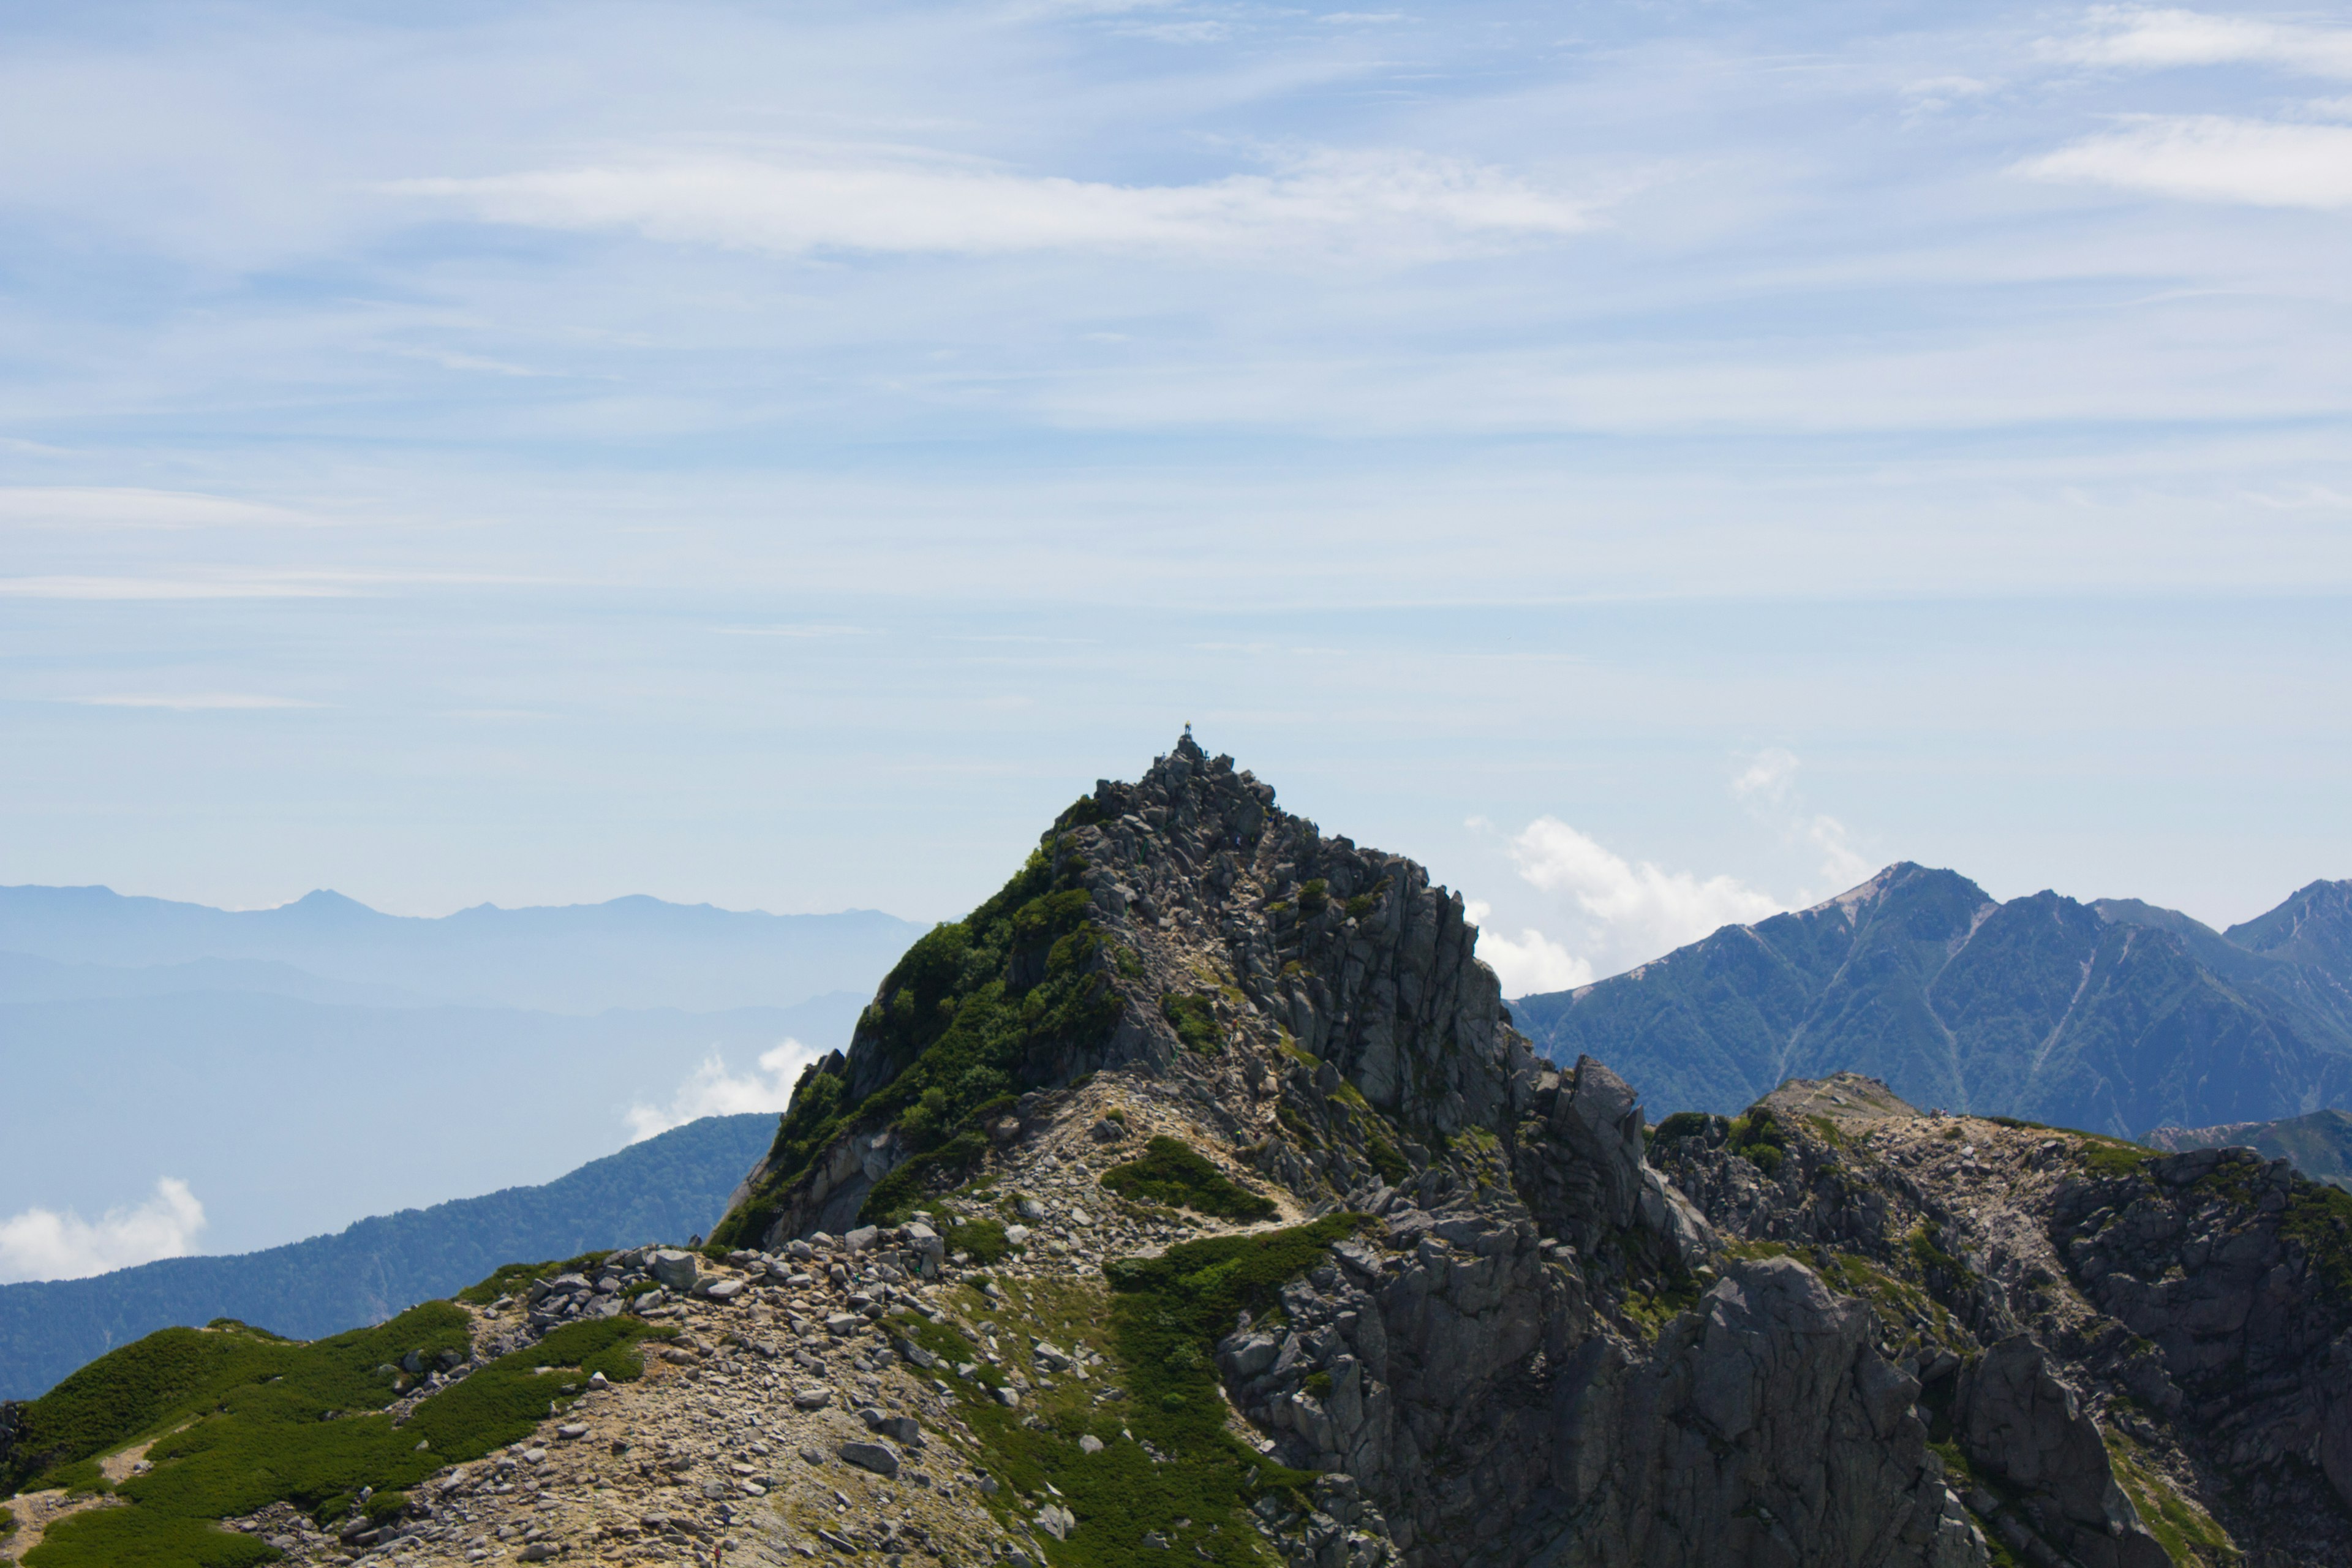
(2320, 1144)
(397, 1061)
(2114, 1016)
(633, 953)
(665, 1189)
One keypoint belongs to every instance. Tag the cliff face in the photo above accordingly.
(1538, 1351)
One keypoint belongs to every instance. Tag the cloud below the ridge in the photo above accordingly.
(711, 1090)
(1650, 908)
(1389, 205)
(1531, 965)
(45, 1243)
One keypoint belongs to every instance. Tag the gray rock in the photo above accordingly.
(879, 1457)
(2020, 1421)
(675, 1271)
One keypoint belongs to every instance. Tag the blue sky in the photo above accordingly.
(1654, 462)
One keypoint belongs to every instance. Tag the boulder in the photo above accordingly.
(879, 1457)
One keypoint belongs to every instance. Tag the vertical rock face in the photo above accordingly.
(1539, 1353)
(2032, 1433)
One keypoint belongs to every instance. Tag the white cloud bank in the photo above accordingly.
(1627, 912)
(1649, 908)
(1531, 965)
(1391, 204)
(2159, 39)
(2212, 158)
(711, 1090)
(42, 1244)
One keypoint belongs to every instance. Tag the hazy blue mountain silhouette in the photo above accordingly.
(584, 958)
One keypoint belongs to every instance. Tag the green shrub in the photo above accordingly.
(1195, 1021)
(1172, 1172)
(982, 1239)
(276, 1423)
(2111, 1157)
(1318, 1384)
(898, 1194)
(1682, 1124)
(1386, 1160)
(1363, 904)
(7, 1523)
(1759, 1137)
(974, 1009)
(1314, 896)
(1195, 1480)
(513, 1279)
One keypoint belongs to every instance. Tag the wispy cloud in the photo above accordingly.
(1767, 777)
(2212, 158)
(1398, 205)
(2149, 38)
(1766, 783)
(224, 585)
(711, 1090)
(105, 507)
(43, 1244)
(193, 702)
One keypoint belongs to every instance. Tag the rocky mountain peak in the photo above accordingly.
(1194, 1195)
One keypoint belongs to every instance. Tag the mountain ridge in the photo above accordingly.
(658, 1190)
(630, 952)
(2114, 1015)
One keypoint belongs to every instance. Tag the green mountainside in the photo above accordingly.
(665, 1188)
(2113, 1015)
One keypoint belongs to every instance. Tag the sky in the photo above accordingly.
(1654, 463)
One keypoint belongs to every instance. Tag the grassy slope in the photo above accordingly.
(665, 1189)
(1161, 1318)
(242, 1419)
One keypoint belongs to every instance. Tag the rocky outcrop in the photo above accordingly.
(1457, 1376)
(2138, 1358)
(2024, 1424)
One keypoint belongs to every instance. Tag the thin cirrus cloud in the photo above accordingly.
(119, 507)
(226, 585)
(194, 702)
(2212, 158)
(2160, 39)
(1398, 206)
(48, 1243)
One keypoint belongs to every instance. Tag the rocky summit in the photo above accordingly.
(1196, 1198)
